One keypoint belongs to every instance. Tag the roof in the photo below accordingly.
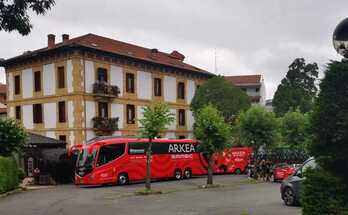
(2, 88)
(244, 80)
(36, 139)
(99, 43)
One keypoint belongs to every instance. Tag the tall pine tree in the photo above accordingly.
(297, 90)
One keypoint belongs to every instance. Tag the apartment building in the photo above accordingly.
(253, 85)
(90, 85)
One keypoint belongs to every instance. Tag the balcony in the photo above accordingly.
(104, 126)
(103, 89)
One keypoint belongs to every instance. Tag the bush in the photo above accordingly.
(21, 174)
(323, 193)
(8, 174)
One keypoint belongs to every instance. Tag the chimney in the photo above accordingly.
(177, 55)
(65, 37)
(51, 40)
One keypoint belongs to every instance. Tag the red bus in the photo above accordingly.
(112, 160)
(232, 160)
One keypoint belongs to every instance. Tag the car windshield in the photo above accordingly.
(86, 158)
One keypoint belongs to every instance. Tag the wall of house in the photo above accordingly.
(81, 104)
(263, 93)
(142, 96)
(49, 96)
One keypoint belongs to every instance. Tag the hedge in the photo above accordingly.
(8, 174)
(323, 193)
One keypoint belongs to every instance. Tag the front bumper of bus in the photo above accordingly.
(85, 180)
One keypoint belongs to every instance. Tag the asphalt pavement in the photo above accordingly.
(236, 195)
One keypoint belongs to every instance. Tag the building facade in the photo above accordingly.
(253, 85)
(92, 85)
(3, 108)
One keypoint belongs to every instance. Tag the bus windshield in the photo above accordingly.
(86, 158)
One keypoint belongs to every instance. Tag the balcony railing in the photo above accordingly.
(104, 125)
(104, 89)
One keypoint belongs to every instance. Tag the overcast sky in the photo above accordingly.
(248, 37)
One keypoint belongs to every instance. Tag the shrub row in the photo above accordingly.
(8, 174)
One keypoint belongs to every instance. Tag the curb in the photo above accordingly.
(17, 190)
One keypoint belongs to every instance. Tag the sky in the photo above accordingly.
(225, 37)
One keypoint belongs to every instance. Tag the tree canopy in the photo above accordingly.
(258, 127)
(228, 99)
(330, 121)
(297, 90)
(156, 117)
(212, 132)
(14, 14)
(12, 137)
(295, 130)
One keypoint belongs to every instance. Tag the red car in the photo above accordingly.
(282, 171)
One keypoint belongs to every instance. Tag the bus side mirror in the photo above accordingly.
(298, 173)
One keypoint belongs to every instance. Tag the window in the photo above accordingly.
(18, 113)
(158, 87)
(102, 75)
(62, 138)
(109, 153)
(103, 109)
(182, 119)
(130, 83)
(182, 137)
(37, 81)
(181, 90)
(309, 164)
(61, 77)
(257, 89)
(130, 114)
(37, 113)
(61, 111)
(17, 84)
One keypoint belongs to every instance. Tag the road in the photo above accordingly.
(235, 195)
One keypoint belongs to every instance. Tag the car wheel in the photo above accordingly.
(289, 197)
(122, 179)
(177, 174)
(187, 173)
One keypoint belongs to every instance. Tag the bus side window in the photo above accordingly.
(109, 153)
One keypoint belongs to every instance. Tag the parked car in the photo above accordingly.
(282, 171)
(290, 188)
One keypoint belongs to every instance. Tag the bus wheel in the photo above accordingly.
(223, 169)
(177, 174)
(238, 171)
(188, 173)
(122, 179)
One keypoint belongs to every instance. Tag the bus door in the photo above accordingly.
(137, 160)
(107, 166)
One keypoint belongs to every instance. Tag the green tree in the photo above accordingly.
(228, 99)
(258, 127)
(12, 137)
(156, 117)
(213, 133)
(330, 121)
(295, 129)
(297, 90)
(14, 14)
(323, 193)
